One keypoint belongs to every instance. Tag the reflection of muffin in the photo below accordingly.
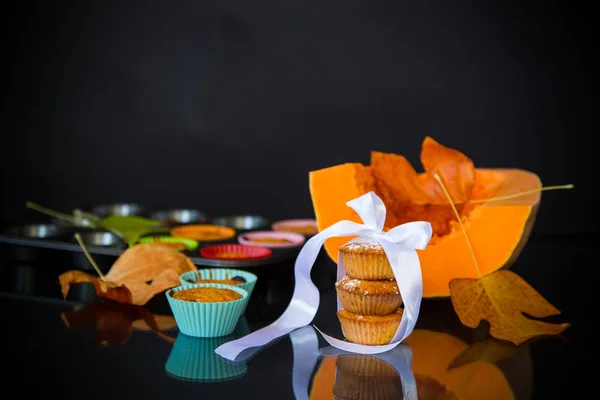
(366, 377)
(369, 329)
(366, 365)
(366, 261)
(368, 297)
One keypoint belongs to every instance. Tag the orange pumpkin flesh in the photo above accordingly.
(497, 230)
(432, 354)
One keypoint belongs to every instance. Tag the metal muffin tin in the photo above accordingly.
(99, 242)
(38, 231)
(105, 210)
(179, 217)
(101, 238)
(242, 222)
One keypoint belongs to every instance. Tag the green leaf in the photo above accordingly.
(128, 227)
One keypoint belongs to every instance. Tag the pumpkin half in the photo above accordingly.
(498, 230)
(432, 354)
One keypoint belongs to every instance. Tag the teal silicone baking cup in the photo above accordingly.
(207, 319)
(190, 244)
(190, 277)
(194, 359)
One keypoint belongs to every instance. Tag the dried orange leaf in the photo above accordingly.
(142, 292)
(137, 275)
(502, 298)
(454, 168)
(104, 289)
(491, 351)
(144, 262)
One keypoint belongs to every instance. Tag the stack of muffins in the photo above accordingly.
(371, 302)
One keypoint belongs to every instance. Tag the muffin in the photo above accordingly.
(365, 377)
(366, 261)
(369, 329)
(225, 276)
(207, 295)
(368, 297)
(208, 309)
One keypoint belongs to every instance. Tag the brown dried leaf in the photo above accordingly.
(502, 298)
(491, 351)
(141, 272)
(144, 262)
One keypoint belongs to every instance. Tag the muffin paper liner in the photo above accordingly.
(190, 244)
(295, 239)
(207, 319)
(369, 305)
(295, 223)
(367, 266)
(203, 232)
(248, 252)
(369, 333)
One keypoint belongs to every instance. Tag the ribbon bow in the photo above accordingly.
(399, 245)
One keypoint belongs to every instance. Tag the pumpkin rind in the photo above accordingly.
(498, 230)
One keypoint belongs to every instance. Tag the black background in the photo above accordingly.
(227, 105)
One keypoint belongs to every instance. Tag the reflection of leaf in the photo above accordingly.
(491, 351)
(129, 227)
(502, 298)
(114, 321)
(137, 275)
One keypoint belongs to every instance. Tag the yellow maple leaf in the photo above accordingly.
(501, 298)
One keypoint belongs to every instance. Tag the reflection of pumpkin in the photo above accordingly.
(432, 353)
(497, 230)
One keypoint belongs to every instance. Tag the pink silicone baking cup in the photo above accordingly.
(295, 239)
(280, 226)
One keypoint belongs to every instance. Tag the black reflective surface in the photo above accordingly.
(85, 348)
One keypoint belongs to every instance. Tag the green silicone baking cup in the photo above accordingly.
(189, 243)
(194, 359)
(207, 319)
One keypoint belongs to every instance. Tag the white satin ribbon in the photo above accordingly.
(399, 245)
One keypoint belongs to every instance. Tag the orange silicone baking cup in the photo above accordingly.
(204, 232)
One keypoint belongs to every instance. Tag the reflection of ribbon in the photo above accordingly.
(305, 345)
(399, 245)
